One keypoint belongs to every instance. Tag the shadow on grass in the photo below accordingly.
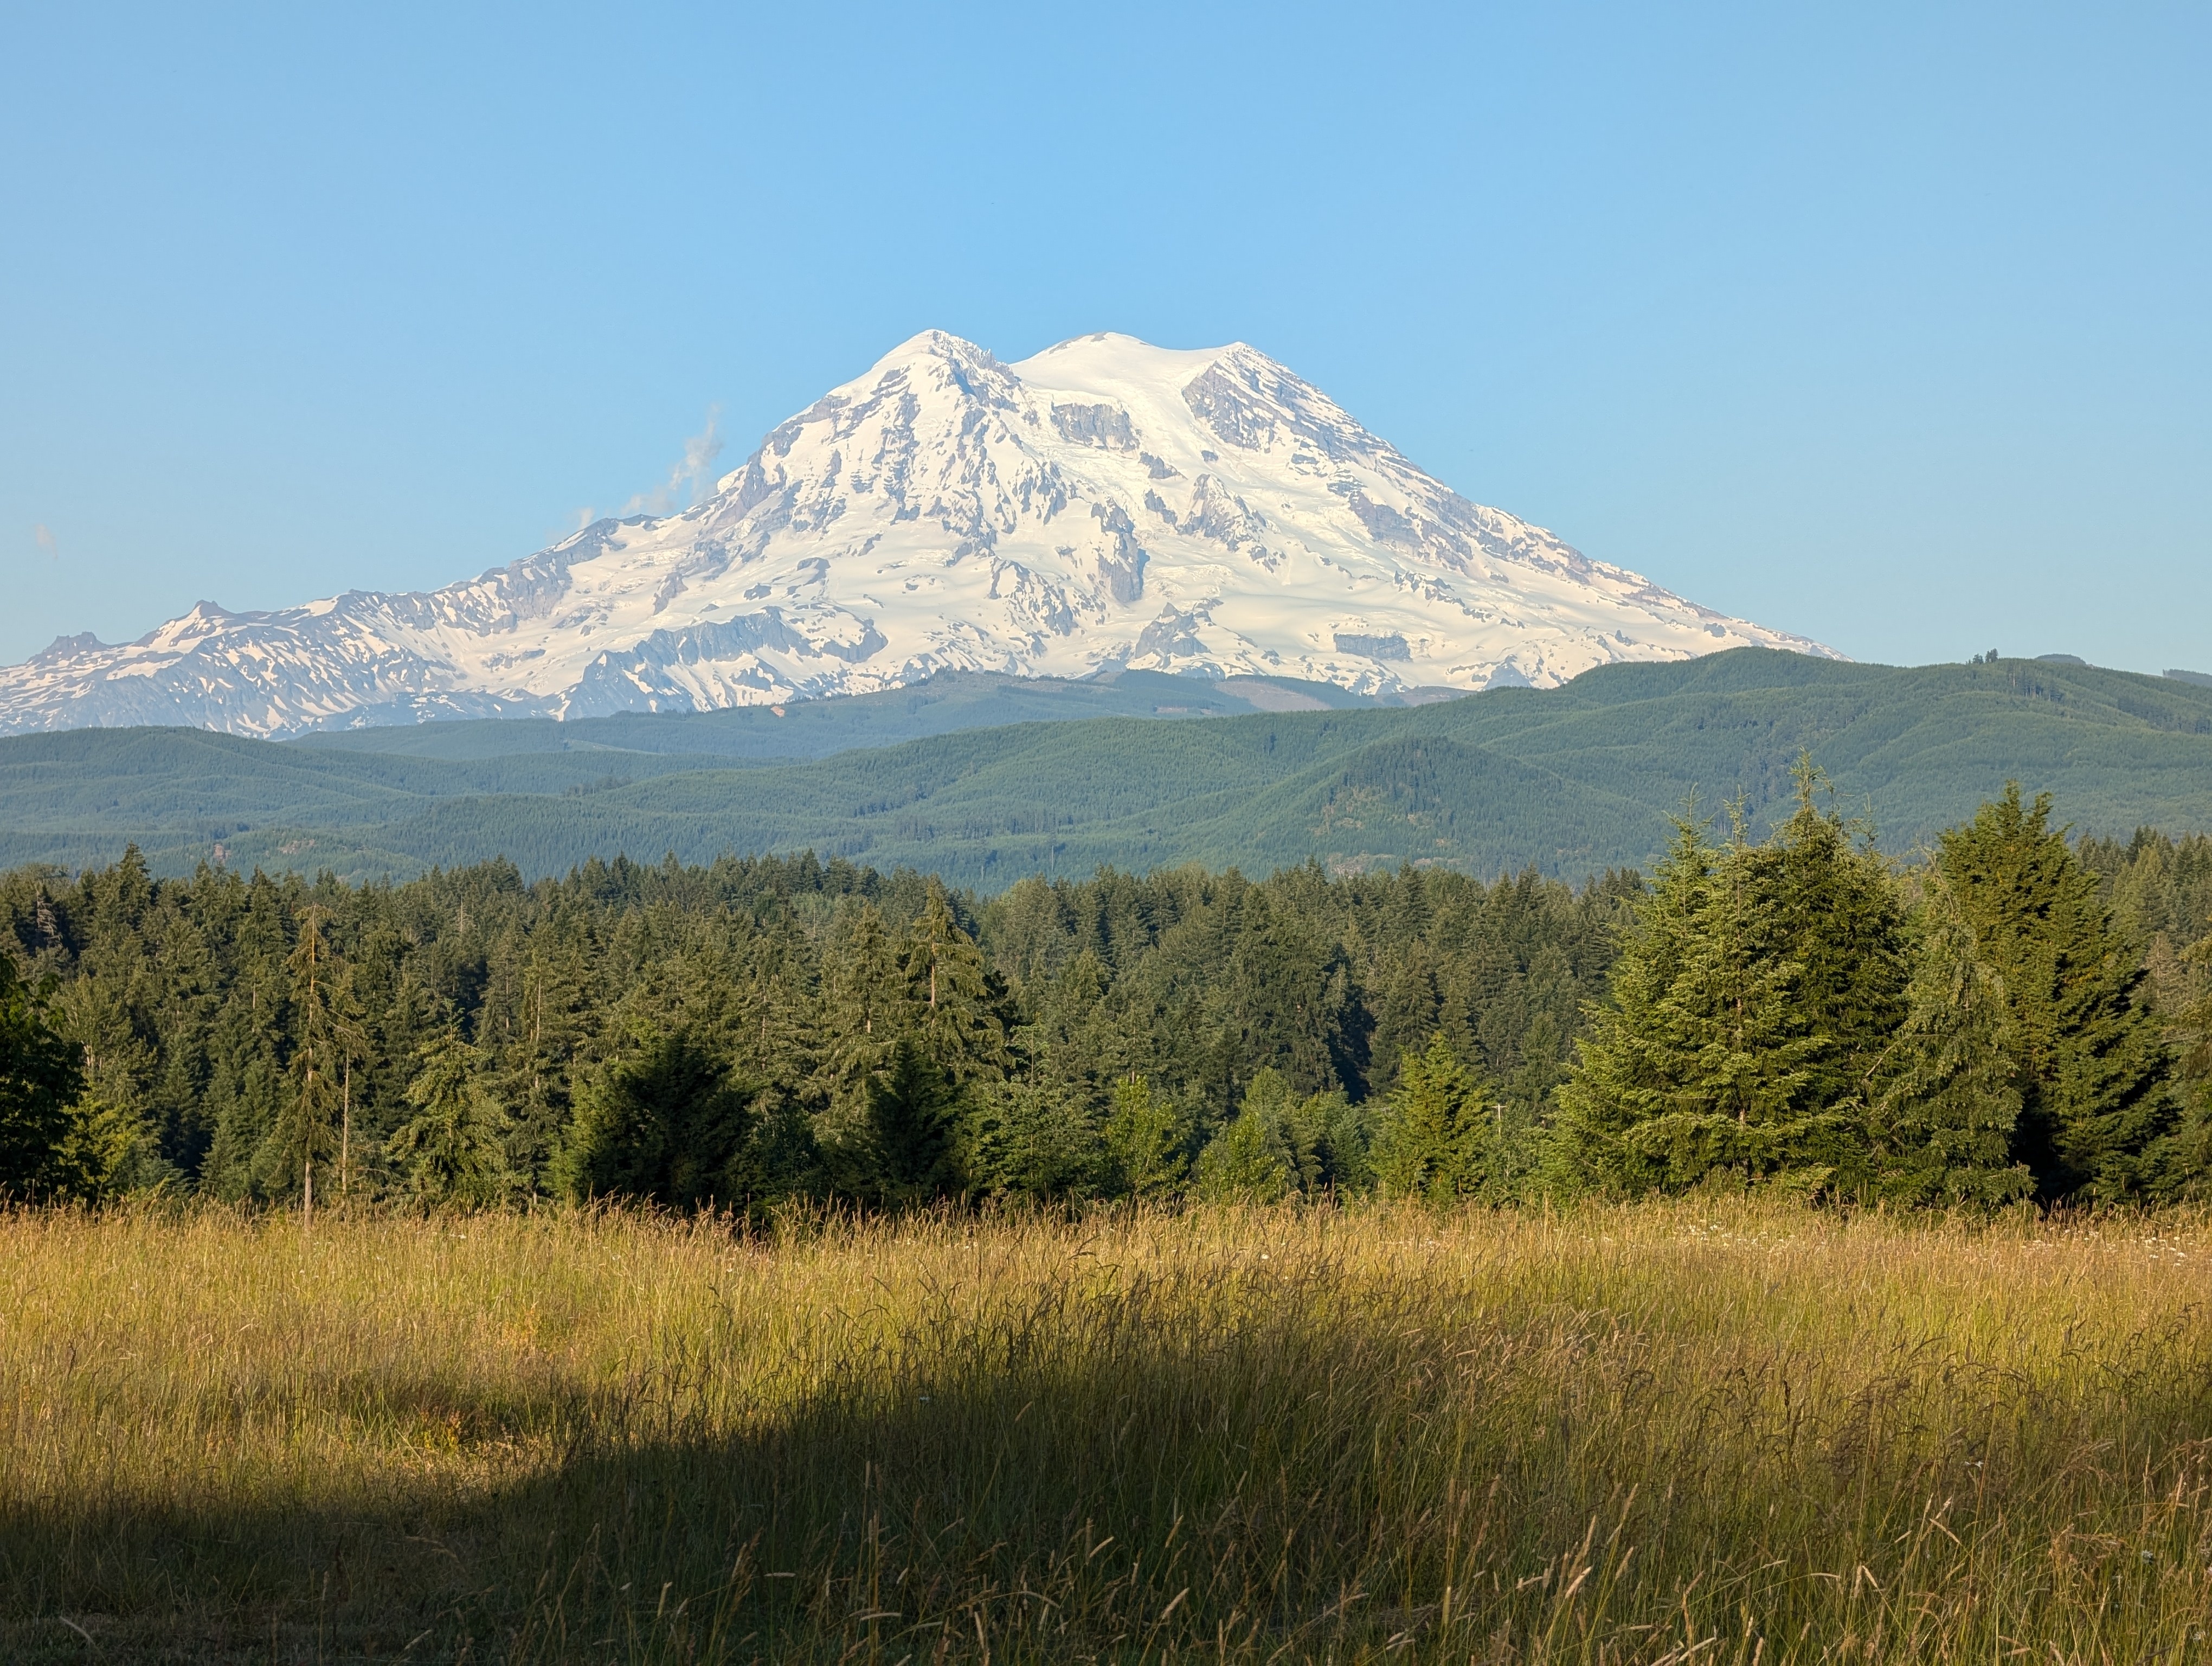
(996, 1499)
(1103, 1484)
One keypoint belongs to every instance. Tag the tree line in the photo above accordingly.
(2014, 1016)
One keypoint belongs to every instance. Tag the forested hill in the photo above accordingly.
(1570, 782)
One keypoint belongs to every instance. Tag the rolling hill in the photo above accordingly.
(1569, 780)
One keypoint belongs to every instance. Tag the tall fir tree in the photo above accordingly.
(866, 1003)
(2190, 1164)
(1247, 1160)
(549, 1035)
(2091, 1066)
(1408, 1011)
(304, 1134)
(454, 1149)
(1828, 902)
(111, 1012)
(1631, 1061)
(952, 1008)
(42, 1130)
(1282, 1144)
(1945, 1103)
(910, 1154)
(670, 1125)
(1434, 1139)
(1027, 1137)
(1749, 1005)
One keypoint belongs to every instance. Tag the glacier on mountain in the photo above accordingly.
(1104, 504)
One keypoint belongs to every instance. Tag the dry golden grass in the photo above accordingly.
(1684, 1433)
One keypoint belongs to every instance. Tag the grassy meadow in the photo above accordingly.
(1709, 1432)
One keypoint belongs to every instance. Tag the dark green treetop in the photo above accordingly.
(668, 1125)
(2088, 1060)
(1753, 998)
(452, 1149)
(1946, 1102)
(42, 1130)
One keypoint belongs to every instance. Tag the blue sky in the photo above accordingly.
(1888, 325)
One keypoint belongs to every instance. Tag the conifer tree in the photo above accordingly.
(1409, 1011)
(2189, 1164)
(1945, 1104)
(1339, 1136)
(911, 1151)
(1279, 1144)
(1285, 993)
(1751, 1001)
(550, 1036)
(1074, 1037)
(1322, 1142)
(953, 1010)
(866, 1002)
(42, 1129)
(1433, 1139)
(110, 1013)
(305, 1133)
(669, 1125)
(780, 1040)
(452, 1149)
(1832, 907)
(101, 1015)
(777, 1028)
(1034, 1139)
(1631, 1060)
(349, 1047)
(1525, 1100)
(2091, 1067)
(2194, 1022)
(1740, 1096)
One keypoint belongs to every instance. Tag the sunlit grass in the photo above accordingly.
(1697, 1432)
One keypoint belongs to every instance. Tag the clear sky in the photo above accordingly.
(1884, 324)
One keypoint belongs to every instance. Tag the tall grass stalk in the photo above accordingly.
(1698, 1432)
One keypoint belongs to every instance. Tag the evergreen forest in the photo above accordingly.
(2011, 1015)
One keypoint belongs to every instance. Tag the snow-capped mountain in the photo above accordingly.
(1105, 503)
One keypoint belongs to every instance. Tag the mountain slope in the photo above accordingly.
(1569, 780)
(949, 701)
(1105, 504)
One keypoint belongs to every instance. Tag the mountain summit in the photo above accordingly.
(1104, 504)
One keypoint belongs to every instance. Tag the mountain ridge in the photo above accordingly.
(1102, 505)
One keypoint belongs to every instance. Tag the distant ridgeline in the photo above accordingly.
(2013, 1018)
(982, 780)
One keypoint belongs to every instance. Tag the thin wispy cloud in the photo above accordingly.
(687, 480)
(42, 535)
